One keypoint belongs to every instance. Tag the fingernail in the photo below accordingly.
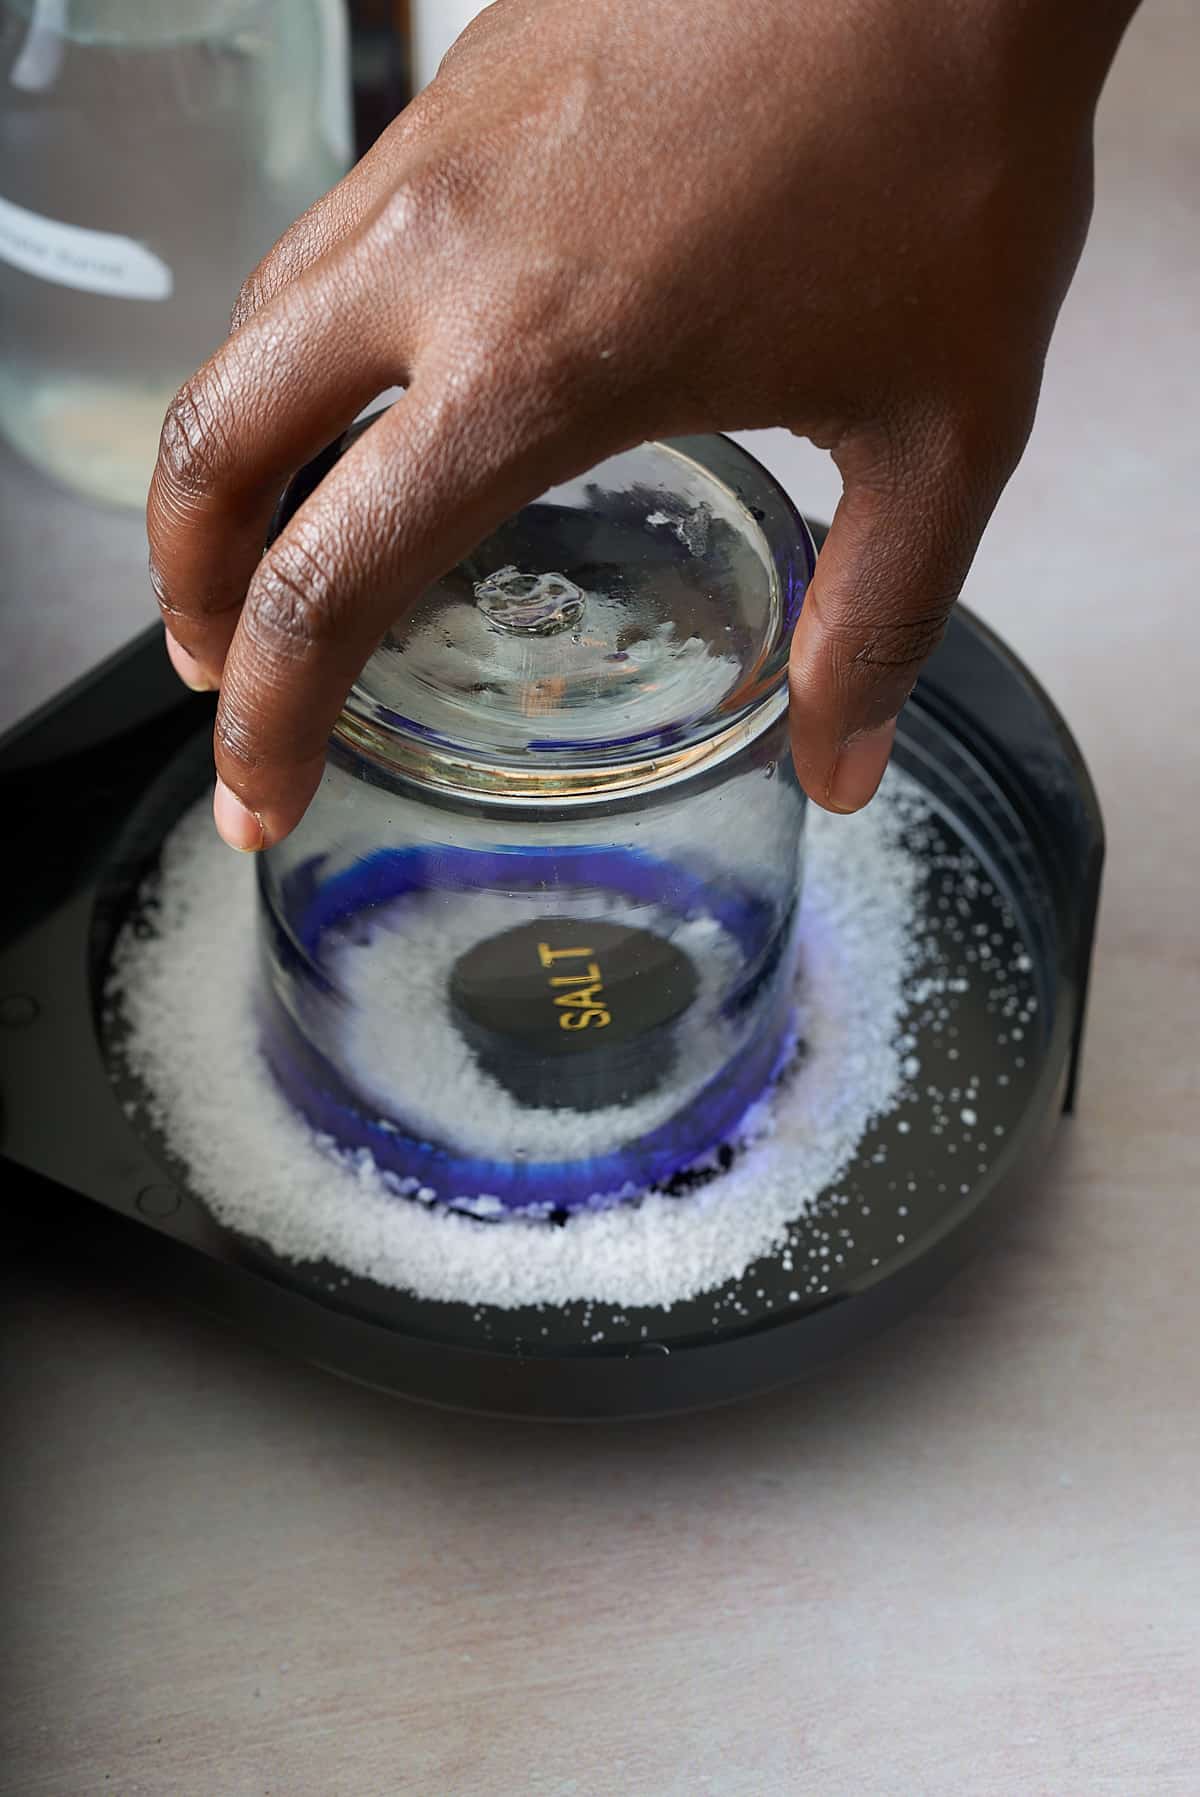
(187, 667)
(860, 767)
(240, 827)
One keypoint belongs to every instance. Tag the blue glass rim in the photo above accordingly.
(327, 1097)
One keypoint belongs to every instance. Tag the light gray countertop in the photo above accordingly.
(966, 1561)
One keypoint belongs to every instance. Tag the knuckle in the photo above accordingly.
(292, 604)
(235, 737)
(437, 203)
(530, 360)
(404, 216)
(193, 449)
(901, 644)
(865, 641)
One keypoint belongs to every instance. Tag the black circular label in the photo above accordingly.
(572, 1014)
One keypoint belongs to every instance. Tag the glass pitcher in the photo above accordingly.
(151, 152)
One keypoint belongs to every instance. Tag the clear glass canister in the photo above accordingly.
(534, 944)
(151, 152)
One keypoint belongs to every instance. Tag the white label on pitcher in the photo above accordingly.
(93, 261)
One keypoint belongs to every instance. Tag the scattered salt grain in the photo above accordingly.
(185, 992)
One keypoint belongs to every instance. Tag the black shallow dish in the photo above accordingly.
(91, 785)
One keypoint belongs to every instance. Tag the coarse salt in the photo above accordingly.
(185, 991)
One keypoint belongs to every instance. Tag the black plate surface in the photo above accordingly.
(91, 787)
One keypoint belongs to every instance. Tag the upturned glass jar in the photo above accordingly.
(534, 944)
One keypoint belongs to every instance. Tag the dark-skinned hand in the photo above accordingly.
(622, 219)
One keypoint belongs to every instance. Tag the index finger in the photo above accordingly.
(417, 491)
(293, 376)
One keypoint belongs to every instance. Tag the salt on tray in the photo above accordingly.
(184, 991)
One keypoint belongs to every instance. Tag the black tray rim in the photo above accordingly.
(908, 1275)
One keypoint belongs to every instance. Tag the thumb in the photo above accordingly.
(885, 583)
